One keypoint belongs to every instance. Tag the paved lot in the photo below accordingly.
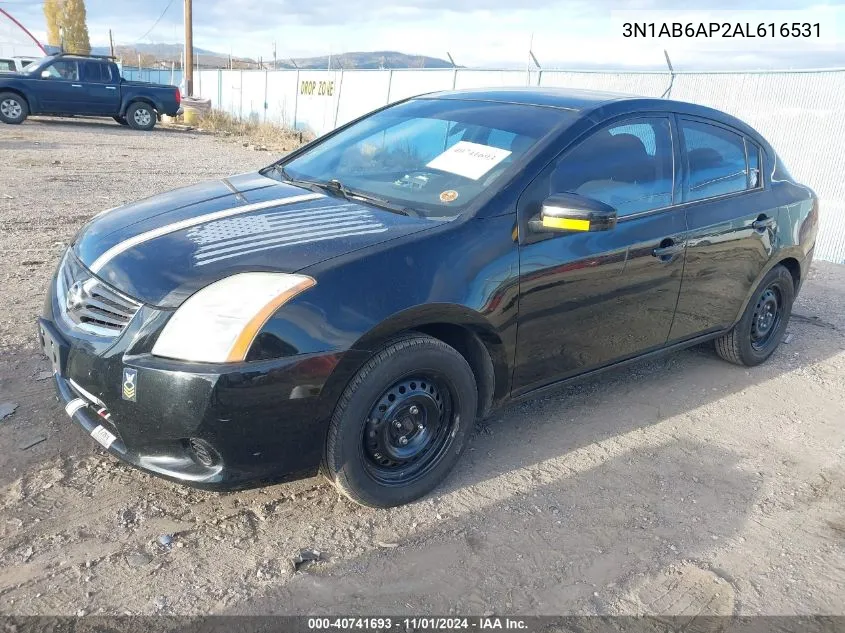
(683, 485)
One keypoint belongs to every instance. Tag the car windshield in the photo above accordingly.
(432, 155)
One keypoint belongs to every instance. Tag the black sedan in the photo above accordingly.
(354, 307)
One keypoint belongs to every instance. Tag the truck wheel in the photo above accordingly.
(13, 108)
(761, 328)
(141, 116)
(401, 423)
(120, 119)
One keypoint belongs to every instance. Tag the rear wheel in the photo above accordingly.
(761, 328)
(13, 108)
(141, 116)
(402, 423)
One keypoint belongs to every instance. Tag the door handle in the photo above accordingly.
(111, 87)
(668, 249)
(762, 223)
(76, 85)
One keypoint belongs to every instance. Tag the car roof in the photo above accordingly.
(564, 98)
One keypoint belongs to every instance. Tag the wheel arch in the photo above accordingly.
(21, 94)
(458, 326)
(792, 260)
(137, 99)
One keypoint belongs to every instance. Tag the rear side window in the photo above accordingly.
(97, 72)
(716, 160)
(628, 166)
(7, 64)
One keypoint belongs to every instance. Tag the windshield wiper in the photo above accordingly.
(334, 185)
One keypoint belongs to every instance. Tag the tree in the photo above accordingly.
(75, 28)
(53, 15)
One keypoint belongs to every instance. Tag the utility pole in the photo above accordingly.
(189, 50)
(111, 44)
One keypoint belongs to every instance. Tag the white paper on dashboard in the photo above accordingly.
(470, 160)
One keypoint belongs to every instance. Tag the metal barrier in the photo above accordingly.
(799, 112)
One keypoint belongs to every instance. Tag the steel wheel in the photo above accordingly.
(11, 108)
(768, 313)
(408, 429)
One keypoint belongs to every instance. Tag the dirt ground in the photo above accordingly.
(680, 486)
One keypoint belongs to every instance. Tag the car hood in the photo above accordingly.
(163, 249)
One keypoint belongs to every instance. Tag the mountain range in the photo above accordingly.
(162, 52)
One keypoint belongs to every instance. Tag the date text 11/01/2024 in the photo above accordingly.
(785, 30)
(418, 623)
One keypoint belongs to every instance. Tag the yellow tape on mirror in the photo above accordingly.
(568, 224)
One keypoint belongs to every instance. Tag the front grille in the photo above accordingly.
(89, 304)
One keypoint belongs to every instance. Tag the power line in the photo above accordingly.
(155, 24)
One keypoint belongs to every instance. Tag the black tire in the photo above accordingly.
(121, 120)
(757, 335)
(141, 116)
(431, 388)
(13, 108)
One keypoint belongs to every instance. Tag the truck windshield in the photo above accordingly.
(433, 155)
(35, 67)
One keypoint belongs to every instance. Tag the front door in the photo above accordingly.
(732, 226)
(60, 88)
(589, 299)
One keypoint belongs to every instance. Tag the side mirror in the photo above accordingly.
(45, 74)
(571, 213)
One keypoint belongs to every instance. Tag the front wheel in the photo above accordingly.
(762, 326)
(402, 422)
(121, 120)
(13, 108)
(141, 116)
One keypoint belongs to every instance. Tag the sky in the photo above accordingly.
(478, 33)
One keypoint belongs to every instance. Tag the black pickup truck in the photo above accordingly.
(84, 85)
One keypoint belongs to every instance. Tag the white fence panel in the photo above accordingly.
(282, 88)
(643, 84)
(491, 78)
(317, 96)
(253, 95)
(362, 91)
(208, 87)
(408, 83)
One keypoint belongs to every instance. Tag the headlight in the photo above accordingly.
(218, 323)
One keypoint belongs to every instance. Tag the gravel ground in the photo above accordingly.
(679, 486)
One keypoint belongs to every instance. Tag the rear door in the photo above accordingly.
(102, 94)
(59, 89)
(732, 227)
(589, 299)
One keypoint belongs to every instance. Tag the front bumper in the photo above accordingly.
(223, 427)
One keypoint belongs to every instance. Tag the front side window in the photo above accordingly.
(628, 166)
(433, 155)
(7, 64)
(715, 160)
(64, 69)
